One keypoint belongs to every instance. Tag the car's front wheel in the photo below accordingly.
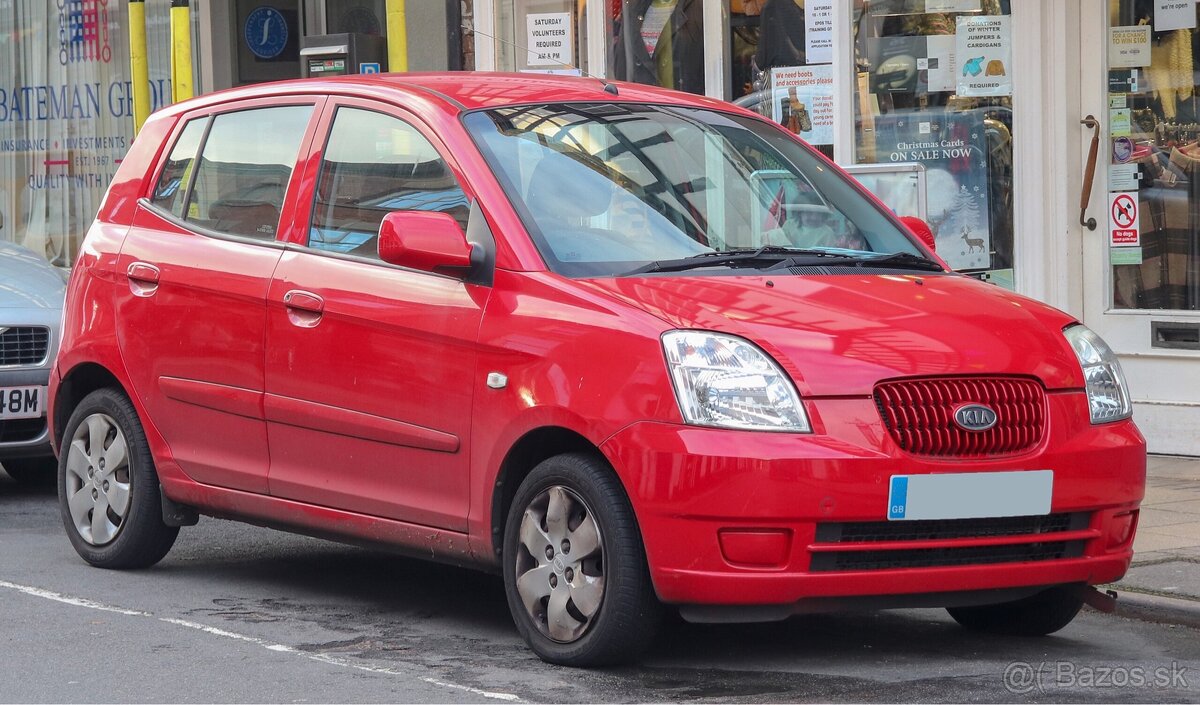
(574, 566)
(1036, 615)
(108, 487)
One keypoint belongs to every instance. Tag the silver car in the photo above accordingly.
(31, 301)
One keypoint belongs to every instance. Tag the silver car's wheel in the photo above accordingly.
(98, 479)
(108, 488)
(560, 565)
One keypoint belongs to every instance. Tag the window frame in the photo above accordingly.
(210, 113)
(315, 156)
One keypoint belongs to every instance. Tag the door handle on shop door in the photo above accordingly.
(1089, 172)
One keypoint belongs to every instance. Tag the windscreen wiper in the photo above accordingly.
(747, 257)
(899, 260)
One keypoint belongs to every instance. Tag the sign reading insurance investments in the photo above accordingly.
(66, 113)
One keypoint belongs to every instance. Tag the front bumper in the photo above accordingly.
(739, 518)
(25, 438)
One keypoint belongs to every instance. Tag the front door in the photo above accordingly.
(369, 366)
(1142, 259)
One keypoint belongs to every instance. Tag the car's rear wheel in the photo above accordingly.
(1036, 615)
(35, 472)
(574, 566)
(108, 486)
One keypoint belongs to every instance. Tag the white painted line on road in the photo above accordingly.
(76, 601)
(281, 648)
(227, 634)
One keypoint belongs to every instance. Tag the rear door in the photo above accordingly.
(369, 365)
(198, 262)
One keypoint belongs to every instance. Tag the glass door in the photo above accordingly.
(1141, 231)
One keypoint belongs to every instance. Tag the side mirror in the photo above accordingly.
(424, 240)
(921, 229)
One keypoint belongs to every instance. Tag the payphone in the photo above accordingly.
(341, 54)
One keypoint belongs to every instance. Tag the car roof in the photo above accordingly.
(465, 90)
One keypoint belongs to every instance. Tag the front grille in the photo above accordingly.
(919, 414)
(21, 430)
(938, 529)
(23, 345)
(950, 556)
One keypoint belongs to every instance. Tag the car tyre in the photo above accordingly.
(586, 604)
(108, 486)
(32, 472)
(1036, 615)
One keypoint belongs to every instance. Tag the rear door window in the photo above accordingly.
(375, 164)
(171, 191)
(244, 170)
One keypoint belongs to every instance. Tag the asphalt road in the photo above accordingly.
(242, 614)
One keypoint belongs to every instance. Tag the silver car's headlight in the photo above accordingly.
(722, 380)
(1107, 392)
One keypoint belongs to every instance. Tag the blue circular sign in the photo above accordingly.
(266, 32)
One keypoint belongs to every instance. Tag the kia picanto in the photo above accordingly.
(631, 349)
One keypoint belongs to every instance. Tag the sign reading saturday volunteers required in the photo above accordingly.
(549, 39)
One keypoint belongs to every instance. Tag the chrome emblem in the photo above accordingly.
(975, 417)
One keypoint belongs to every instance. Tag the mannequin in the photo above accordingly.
(660, 43)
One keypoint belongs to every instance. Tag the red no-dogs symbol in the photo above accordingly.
(1124, 211)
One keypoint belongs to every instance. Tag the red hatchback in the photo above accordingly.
(626, 346)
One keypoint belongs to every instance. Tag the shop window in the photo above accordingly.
(1152, 217)
(658, 42)
(375, 164)
(170, 191)
(934, 87)
(541, 36)
(244, 170)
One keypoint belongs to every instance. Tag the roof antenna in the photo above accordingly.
(609, 88)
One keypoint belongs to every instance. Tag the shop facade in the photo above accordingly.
(998, 101)
(66, 97)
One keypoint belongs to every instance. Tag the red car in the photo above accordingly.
(629, 347)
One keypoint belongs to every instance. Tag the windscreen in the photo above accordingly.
(607, 188)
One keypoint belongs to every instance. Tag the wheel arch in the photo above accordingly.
(530, 449)
(82, 380)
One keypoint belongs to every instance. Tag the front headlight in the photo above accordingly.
(722, 380)
(1107, 393)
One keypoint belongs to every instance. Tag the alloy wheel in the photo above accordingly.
(98, 479)
(560, 564)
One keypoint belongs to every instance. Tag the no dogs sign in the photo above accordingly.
(1123, 219)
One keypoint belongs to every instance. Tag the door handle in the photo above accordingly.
(143, 272)
(1089, 172)
(304, 301)
(143, 278)
(304, 308)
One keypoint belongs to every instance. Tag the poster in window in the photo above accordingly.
(983, 49)
(952, 146)
(912, 64)
(802, 101)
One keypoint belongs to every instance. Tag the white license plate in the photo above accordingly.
(22, 402)
(970, 495)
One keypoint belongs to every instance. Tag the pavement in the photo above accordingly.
(1164, 582)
